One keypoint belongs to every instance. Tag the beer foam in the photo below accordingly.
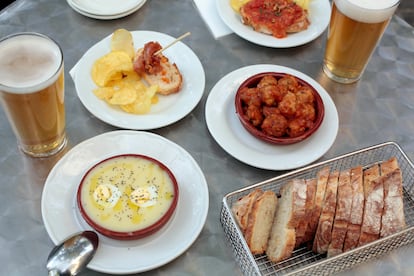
(28, 63)
(368, 11)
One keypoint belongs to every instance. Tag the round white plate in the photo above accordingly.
(62, 218)
(72, 4)
(106, 7)
(319, 14)
(168, 110)
(225, 127)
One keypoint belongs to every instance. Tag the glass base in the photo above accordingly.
(44, 151)
(338, 78)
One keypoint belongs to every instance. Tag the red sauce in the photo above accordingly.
(276, 15)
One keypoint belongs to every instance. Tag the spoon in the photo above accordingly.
(72, 255)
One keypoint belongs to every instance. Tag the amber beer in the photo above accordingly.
(355, 28)
(32, 92)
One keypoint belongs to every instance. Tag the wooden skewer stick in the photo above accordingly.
(172, 43)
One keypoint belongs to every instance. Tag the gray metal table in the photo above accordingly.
(378, 108)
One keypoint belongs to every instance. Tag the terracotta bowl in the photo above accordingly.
(98, 176)
(256, 131)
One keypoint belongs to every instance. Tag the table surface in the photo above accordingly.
(379, 108)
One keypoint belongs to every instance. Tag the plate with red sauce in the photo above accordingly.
(225, 127)
(319, 15)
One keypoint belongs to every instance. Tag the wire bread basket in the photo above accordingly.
(303, 260)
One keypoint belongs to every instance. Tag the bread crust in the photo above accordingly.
(373, 207)
(242, 208)
(302, 234)
(324, 231)
(321, 182)
(342, 213)
(357, 209)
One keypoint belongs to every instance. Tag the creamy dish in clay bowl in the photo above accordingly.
(128, 196)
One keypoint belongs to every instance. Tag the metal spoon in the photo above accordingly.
(73, 254)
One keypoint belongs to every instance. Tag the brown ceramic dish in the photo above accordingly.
(161, 188)
(252, 82)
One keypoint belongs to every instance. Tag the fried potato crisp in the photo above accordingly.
(118, 83)
(111, 67)
(122, 41)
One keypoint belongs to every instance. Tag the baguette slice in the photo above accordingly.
(357, 209)
(260, 222)
(393, 218)
(242, 208)
(290, 210)
(302, 234)
(324, 230)
(342, 214)
(321, 181)
(169, 80)
(374, 205)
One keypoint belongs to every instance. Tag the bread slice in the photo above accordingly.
(169, 79)
(302, 233)
(260, 222)
(290, 210)
(342, 213)
(393, 218)
(373, 207)
(242, 208)
(321, 181)
(324, 231)
(357, 209)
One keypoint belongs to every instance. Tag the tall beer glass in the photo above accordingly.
(355, 28)
(32, 92)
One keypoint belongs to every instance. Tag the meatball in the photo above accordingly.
(250, 96)
(254, 114)
(287, 106)
(288, 82)
(306, 111)
(266, 81)
(296, 127)
(271, 94)
(305, 95)
(275, 125)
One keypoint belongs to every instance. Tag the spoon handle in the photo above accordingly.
(53, 272)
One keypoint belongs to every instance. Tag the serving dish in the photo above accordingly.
(228, 132)
(136, 194)
(319, 15)
(303, 260)
(169, 109)
(285, 139)
(61, 215)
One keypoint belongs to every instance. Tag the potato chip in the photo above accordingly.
(142, 103)
(124, 93)
(122, 41)
(111, 67)
(104, 93)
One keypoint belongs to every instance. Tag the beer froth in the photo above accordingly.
(28, 63)
(368, 11)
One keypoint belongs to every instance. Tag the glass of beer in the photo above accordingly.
(355, 28)
(32, 92)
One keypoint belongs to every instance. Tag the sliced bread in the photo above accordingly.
(242, 208)
(342, 213)
(290, 210)
(260, 222)
(373, 207)
(324, 230)
(357, 209)
(302, 233)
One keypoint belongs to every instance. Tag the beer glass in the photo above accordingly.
(355, 28)
(32, 92)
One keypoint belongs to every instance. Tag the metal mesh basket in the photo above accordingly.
(304, 261)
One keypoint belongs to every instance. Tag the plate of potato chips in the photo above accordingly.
(111, 90)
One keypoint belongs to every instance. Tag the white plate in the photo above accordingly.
(319, 14)
(106, 7)
(168, 110)
(72, 4)
(225, 127)
(62, 218)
